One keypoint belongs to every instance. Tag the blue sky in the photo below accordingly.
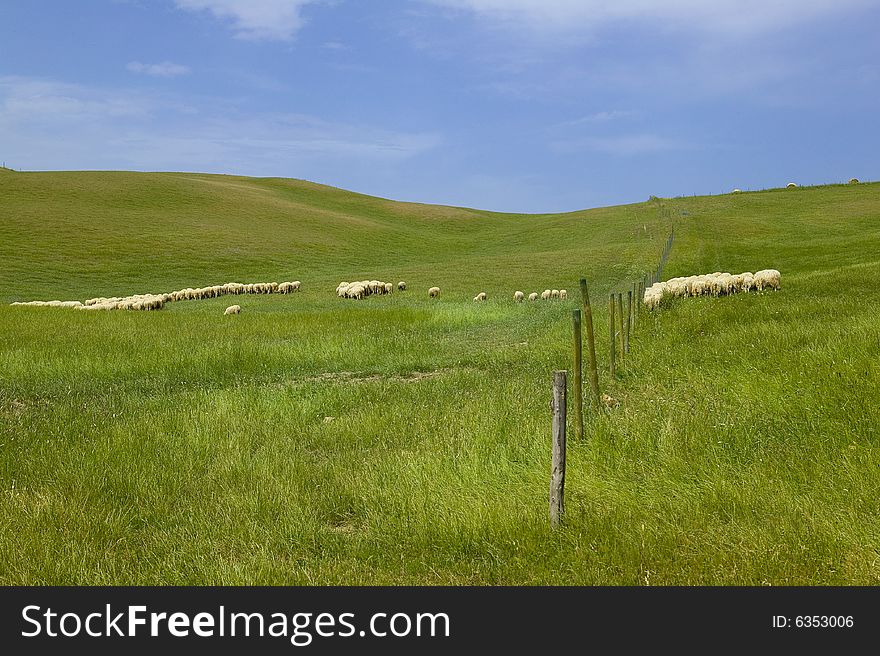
(515, 105)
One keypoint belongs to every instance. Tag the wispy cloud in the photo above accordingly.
(624, 145)
(270, 20)
(164, 69)
(719, 16)
(600, 117)
(49, 124)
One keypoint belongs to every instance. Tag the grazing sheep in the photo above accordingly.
(791, 185)
(481, 296)
(434, 292)
(362, 289)
(518, 297)
(554, 293)
(533, 296)
(286, 288)
(232, 309)
(736, 191)
(713, 284)
(768, 278)
(563, 294)
(854, 181)
(546, 294)
(401, 286)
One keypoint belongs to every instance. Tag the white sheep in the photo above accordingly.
(518, 297)
(791, 185)
(563, 294)
(768, 278)
(546, 294)
(554, 293)
(434, 292)
(481, 296)
(232, 309)
(401, 286)
(533, 296)
(389, 288)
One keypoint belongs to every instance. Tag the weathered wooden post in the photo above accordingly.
(578, 377)
(613, 342)
(636, 306)
(622, 331)
(629, 317)
(591, 343)
(557, 467)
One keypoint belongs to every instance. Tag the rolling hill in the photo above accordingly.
(400, 440)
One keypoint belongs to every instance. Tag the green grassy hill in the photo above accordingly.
(316, 440)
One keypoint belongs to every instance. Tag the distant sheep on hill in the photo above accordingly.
(533, 296)
(401, 286)
(854, 181)
(545, 295)
(363, 288)
(518, 297)
(158, 301)
(232, 309)
(480, 297)
(791, 185)
(434, 292)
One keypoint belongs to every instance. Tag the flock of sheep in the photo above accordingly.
(519, 297)
(158, 301)
(711, 284)
(363, 288)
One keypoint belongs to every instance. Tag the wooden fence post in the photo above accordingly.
(577, 383)
(591, 343)
(557, 467)
(629, 317)
(613, 342)
(622, 331)
(636, 306)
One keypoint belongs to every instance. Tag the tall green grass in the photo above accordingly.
(402, 440)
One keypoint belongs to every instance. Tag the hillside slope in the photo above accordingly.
(316, 440)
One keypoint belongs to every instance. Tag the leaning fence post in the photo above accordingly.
(622, 331)
(613, 334)
(577, 383)
(591, 342)
(557, 467)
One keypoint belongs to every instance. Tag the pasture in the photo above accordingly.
(406, 440)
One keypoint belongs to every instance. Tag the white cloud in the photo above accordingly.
(164, 69)
(46, 124)
(726, 16)
(270, 20)
(600, 117)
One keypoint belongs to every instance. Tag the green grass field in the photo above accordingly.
(185, 447)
